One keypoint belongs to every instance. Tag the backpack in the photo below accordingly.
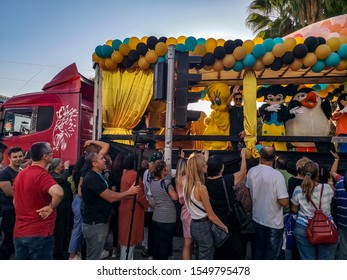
(320, 229)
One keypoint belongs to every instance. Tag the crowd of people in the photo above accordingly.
(52, 210)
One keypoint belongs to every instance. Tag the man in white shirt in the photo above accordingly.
(269, 196)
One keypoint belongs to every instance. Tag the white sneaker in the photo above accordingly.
(75, 258)
(105, 254)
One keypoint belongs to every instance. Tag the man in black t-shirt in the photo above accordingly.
(7, 176)
(236, 117)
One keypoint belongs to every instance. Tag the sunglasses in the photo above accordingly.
(238, 99)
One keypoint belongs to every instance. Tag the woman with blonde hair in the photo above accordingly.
(303, 196)
(180, 180)
(199, 206)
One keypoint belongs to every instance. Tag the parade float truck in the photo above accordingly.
(62, 114)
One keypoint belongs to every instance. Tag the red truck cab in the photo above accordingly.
(62, 114)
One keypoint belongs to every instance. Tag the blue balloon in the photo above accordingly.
(115, 44)
(319, 66)
(190, 43)
(317, 88)
(227, 68)
(106, 50)
(238, 66)
(269, 44)
(201, 41)
(98, 51)
(259, 50)
(342, 51)
(249, 60)
(161, 59)
(181, 47)
(126, 41)
(332, 60)
(278, 40)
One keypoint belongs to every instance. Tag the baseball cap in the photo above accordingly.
(156, 156)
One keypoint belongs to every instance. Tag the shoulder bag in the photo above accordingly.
(320, 229)
(237, 210)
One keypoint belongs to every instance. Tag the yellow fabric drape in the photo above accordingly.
(125, 97)
(250, 112)
(198, 128)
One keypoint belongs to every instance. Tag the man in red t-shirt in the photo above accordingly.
(36, 196)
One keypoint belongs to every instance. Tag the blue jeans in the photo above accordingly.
(76, 233)
(94, 235)
(312, 252)
(202, 235)
(163, 236)
(266, 242)
(34, 248)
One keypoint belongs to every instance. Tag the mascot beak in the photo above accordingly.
(310, 101)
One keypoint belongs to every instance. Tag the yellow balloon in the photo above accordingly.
(151, 56)
(342, 65)
(171, 41)
(330, 88)
(309, 60)
(290, 44)
(124, 49)
(296, 65)
(323, 93)
(343, 40)
(143, 63)
(95, 57)
(181, 39)
(109, 43)
(299, 40)
(144, 39)
(220, 42)
(161, 48)
(200, 49)
(229, 61)
(239, 53)
(268, 58)
(218, 65)
(334, 43)
(322, 51)
(210, 44)
(117, 57)
(258, 66)
(102, 64)
(279, 50)
(248, 46)
(258, 40)
(133, 41)
(110, 65)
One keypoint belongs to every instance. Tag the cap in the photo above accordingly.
(156, 156)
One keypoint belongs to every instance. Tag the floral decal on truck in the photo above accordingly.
(64, 127)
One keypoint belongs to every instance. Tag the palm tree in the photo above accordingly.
(277, 18)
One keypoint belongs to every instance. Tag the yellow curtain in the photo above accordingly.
(125, 97)
(250, 112)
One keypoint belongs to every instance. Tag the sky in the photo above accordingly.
(38, 38)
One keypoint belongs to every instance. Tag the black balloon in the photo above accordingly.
(229, 46)
(277, 64)
(219, 52)
(162, 39)
(321, 41)
(151, 42)
(209, 59)
(311, 43)
(142, 48)
(300, 50)
(134, 55)
(238, 42)
(288, 58)
(127, 63)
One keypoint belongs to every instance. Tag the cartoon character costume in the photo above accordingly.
(339, 117)
(218, 122)
(274, 114)
(311, 117)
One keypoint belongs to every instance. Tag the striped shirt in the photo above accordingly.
(341, 204)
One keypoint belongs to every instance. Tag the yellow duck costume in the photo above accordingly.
(218, 122)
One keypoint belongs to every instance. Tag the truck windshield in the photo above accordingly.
(17, 122)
